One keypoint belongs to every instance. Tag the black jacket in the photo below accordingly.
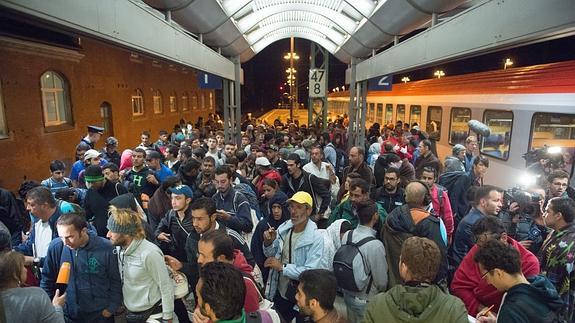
(315, 186)
(179, 231)
(191, 267)
(388, 200)
(97, 202)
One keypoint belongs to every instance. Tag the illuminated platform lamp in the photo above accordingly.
(439, 74)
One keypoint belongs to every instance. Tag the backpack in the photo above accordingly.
(265, 316)
(341, 162)
(343, 264)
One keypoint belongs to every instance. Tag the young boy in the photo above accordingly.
(57, 181)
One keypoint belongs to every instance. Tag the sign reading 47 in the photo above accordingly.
(317, 83)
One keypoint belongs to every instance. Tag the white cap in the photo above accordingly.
(92, 153)
(262, 161)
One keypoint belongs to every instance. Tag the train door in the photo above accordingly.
(106, 115)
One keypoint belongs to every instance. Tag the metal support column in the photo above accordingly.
(352, 109)
(321, 55)
(237, 130)
(362, 94)
(226, 94)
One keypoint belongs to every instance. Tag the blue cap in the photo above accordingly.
(181, 190)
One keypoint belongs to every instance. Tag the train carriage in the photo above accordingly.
(525, 108)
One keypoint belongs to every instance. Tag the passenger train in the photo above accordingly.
(525, 108)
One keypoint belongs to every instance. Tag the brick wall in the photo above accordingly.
(97, 73)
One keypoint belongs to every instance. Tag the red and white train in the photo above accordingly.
(525, 108)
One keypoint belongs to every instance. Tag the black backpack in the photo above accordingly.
(343, 264)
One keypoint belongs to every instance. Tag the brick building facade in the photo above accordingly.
(49, 94)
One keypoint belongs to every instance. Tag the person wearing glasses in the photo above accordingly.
(469, 282)
(527, 299)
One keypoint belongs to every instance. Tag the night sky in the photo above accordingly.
(265, 73)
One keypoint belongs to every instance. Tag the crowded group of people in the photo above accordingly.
(272, 229)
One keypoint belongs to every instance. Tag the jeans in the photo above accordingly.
(355, 307)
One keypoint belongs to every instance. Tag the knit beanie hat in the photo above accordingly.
(128, 228)
(93, 173)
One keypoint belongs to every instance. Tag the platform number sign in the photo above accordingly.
(317, 83)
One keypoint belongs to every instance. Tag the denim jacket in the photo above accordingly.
(307, 254)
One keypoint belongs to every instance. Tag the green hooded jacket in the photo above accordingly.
(415, 304)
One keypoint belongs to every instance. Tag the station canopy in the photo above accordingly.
(346, 28)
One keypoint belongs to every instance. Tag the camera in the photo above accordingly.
(528, 202)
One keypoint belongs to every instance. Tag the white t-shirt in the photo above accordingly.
(42, 238)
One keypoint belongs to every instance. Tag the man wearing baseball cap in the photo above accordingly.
(172, 232)
(110, 152)
(294, 248)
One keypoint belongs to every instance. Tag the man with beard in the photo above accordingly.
(358, 194)
(297, 180)
(316, 294)
(233, 208)
(205, 180)
(390, 195)
(189, 173)
(295, 247)
(358, 165)
(204, 220)
(146, 285)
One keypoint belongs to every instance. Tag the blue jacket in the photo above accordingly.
(307, 254)
(463, 240)
(238, 206)
(95, 282)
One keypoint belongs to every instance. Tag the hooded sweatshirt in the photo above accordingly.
(415, 304)
(535, 302)
(256, 245)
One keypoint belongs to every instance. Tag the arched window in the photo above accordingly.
(55, 99)
(185, 101)
(137, 103)
(173, 102)
(157, 99)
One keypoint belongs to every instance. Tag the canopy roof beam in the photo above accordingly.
(487, 27)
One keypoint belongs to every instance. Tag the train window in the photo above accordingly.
(400, 113)
(55, 99)
(137, 103)
(185, 102)
(498, 142)
(380, 113)
(372, 111)
(458, 129)
(211, 101)
(157, 99)
(173, 103)
(202, 101)
(434, 121)
(555, 130)
(415, 114)
(388, 113)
